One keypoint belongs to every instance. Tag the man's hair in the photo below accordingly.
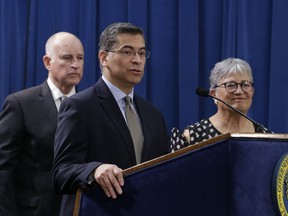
(108, 37)
(54, 39)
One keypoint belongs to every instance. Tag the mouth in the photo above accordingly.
(239, 99)
(73, 74)
(136, 71)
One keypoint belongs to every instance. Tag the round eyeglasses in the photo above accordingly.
(231, 87)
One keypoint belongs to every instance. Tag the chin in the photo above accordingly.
(75, 82)
(136, 80)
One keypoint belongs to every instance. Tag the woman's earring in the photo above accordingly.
(215, 101)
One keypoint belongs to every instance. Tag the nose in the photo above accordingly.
(75, 63)
(239, 88)
(136, 58)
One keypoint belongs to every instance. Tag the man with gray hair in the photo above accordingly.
(28, 123)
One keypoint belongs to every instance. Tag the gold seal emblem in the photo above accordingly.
(280, 185)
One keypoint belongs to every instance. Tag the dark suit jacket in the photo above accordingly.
(92, 130)
(28, 123)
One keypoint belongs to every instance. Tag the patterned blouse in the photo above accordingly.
(199, 132)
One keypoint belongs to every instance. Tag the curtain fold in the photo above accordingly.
(186, 38)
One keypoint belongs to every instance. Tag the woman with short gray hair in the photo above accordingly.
(231, 80)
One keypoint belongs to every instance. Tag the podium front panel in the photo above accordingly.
(252, 166)
(228, 177)
(196, 183)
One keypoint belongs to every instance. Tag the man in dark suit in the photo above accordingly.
(93, 142)
(28, 123)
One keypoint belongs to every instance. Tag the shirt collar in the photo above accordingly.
(56, 93)
(116, 92)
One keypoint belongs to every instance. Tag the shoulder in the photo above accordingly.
(204, 123)
(144, 104)
(26, 95)
(177, 140)
(88, 100)
(79, 101)
(84, 94)
(21, 102)
(26, 92)
(201, 131)
(99, 90)
(259, 128)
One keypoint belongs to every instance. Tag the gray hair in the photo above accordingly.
(108, 37)
(228, 67)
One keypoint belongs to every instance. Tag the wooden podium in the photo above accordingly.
(231, 174)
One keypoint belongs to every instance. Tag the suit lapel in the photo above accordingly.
(111, 107)
(141, 114)
(47, 103)
(146, 124)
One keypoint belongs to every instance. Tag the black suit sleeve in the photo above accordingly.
(70, 169)
(11, 131)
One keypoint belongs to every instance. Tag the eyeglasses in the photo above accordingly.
(231, 87)
(130, 53)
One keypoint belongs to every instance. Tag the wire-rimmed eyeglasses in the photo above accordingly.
(131, 53)
(231, 87)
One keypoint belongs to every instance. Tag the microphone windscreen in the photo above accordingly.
(202, 92)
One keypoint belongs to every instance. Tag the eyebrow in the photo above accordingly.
(131, 47)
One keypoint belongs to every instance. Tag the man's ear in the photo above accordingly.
(47, 62)
(102, 56)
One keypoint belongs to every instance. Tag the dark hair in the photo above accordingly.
(108, 37)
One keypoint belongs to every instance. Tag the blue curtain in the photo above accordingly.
(186, 38)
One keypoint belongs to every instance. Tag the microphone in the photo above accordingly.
(205, 93)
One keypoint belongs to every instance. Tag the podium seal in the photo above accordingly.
(280, 186)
